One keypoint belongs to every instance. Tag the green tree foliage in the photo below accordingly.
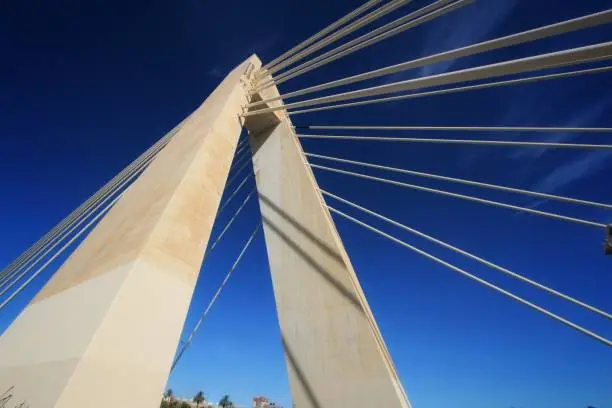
(169, 394)
(226, 402)
(198, 398)
(167, 403)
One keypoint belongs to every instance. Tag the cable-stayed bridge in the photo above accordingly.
(146, 233)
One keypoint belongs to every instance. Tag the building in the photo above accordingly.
(261, 402)
(192, 404)
(264, 402)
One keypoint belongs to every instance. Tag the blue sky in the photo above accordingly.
(85, 87)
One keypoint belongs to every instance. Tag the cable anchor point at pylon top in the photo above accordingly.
(608, 241)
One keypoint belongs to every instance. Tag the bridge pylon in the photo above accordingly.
(109, 321)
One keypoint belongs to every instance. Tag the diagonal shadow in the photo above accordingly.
(260, 126)
(314, 402)
(314, 264)
(322, 245)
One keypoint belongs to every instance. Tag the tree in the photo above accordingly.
(169, 394)
(199, 398)
(184, 405)
(226, 402)
(169, 404)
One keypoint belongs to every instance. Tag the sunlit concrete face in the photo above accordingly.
(108, 323)
(334, 351)
(104, 330)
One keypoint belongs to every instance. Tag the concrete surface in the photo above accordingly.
(103, 331)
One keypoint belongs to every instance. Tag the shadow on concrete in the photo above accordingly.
(260, 126)
(314, 402)
(326, 248)
(349, 295)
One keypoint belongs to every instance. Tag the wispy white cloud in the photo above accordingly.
(534, 111)
(464, 30)
(582, 166)
(461, 30)
(216, 72)
(573, 171)
(583, 118)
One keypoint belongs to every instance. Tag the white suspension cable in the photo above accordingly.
(447, 91)
(458, 141)
(464, 197)
(476, 278)
(55, 255)
(246, 157)
(239, 160)
(231, 179)
(466, 128)
(187, 343)
(388, 30)
(242, 141)
(208, 252)
(239, 150)
(242, 183)
(573, 56)
(36, 248)
(230, 222)
(115, 184)
(471, 256)
(357, 24)
(85, 208)
(18, 276)
(322, 33)
(466, 182)
(240, 145)
(580, 23)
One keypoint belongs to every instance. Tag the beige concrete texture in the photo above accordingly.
(259, 123)
(334, 351)
(105, 328)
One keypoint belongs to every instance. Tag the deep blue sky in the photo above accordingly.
(86, 86)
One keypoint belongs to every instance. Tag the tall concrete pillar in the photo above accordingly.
(103, 331)
(334, 351)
